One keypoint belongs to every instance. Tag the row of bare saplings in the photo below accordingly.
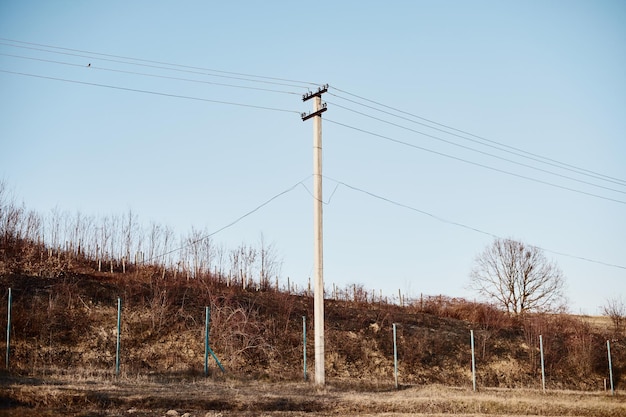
(120, 243)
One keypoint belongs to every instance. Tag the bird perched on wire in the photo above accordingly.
(89, 65)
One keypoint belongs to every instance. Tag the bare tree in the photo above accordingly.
(168, 239)
(54, 225)
(7, 213)
(220, 257)
(248, 256)
(129, 229)
(155, 235)
(11, 216)
(518, 277)
(235, 265)
(270, 263)
(615, 309)
(33, 227)
(199, 251)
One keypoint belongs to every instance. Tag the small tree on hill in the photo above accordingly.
(615, 309)
(518, 277)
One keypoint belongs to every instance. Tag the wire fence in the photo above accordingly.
(61, 328)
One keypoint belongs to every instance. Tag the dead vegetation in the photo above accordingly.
(140, 396)
(63, 333)
(69, 322)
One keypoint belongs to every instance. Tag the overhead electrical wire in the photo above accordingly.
(476, 150)
(135, 90)
(176, 68)
(258, 78)
(94, 67)
(158, 62)
(501, 147)
(440, 219)
(376, 196)
(464, 226)
(234, 222)
(329, 120)
(511, 149)
(411, 145)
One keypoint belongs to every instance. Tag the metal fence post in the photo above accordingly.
(395, 355)
(543, 369)
(8, 329)
(206, 340)
(473, 361)
(608, 349)
(117, 351)
(304, 343)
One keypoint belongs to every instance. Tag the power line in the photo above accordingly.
(544, 160)
(551, 161)
(159, 62)
(94, 67)
(440, 219)
(234, 222)
(158, 66)
(511, 149)
(472, 162)
(502, 148)
(323, 202)
(477, 150)
(464, 226)
(135, 90)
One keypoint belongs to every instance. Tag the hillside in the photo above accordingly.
(64, 315)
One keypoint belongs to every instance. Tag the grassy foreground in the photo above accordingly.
(129, 396)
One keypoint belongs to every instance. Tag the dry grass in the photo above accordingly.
(69, 322)
(88, 396)
(600, 323)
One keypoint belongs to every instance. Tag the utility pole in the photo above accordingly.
(318, 249)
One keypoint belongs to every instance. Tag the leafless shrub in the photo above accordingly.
(359, 293)
(238, 332)
(571, 348)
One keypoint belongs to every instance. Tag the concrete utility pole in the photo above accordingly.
(318, 249)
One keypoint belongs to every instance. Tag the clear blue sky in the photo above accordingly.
(546, 77)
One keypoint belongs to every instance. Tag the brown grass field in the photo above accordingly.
(199, 397)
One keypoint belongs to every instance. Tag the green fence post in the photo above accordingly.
(217, 360)
(608, 350)
(207, 348)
